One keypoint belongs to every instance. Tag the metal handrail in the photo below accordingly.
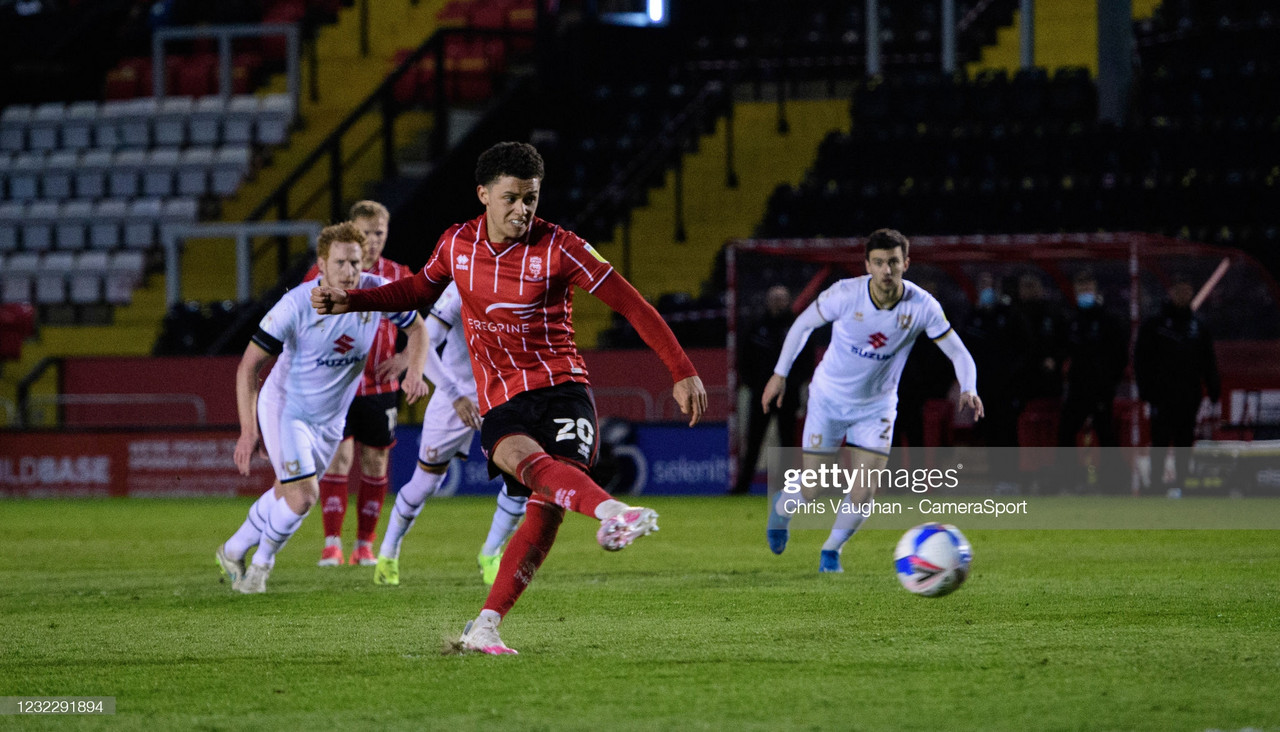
(241, 232)
(224, 34)
(382, 100)
(61, 400)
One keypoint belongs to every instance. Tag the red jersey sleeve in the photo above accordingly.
(584, 266)
(618, 294)
(410, 293)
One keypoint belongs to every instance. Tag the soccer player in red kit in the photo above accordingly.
(371, 419)
(516, 274)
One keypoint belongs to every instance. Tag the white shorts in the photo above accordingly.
(828, 426)
(443, 434)
(298, 449)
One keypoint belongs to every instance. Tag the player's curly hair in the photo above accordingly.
(344, 232)
(887, 239)
(516, 159)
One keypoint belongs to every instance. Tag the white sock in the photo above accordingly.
(490, 616)
(409, 501)
(505, 518)
(847, 524)
(610, 508)
(250, 532)
(333, 541)
(281, 524)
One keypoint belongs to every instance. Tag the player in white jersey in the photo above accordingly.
(298, 416)
(853, 396)
(452, 417)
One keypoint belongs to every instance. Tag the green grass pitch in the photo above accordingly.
(696, 627)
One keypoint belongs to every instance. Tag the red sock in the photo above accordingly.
(333, 503)
(524, 554)
(561, 483)
(372, 491)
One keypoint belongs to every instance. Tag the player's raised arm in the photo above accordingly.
(966, 371)
(688, 391)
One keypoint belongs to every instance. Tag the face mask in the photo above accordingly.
(986, 298)
(1086, 299)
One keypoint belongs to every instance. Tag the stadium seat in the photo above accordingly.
(230, 166)
(51, 278)
(108, 222)
(179, 211)
(135, 126)
(124, 273)
(59, 170)
(172, 115)
(24, 176)
(124, 177)
(13, 127)
(11, 215)
(85, 283)
(46, 121)
(17, 277)
(140, 223)
(273, 119)
(158, 172)
(193, 171)
(237, 126)
(195, 75)
(17, 323)
(77, 125)
(107, 133)
(91, 174)
(70, 229)
(205, 125)
(37, 230)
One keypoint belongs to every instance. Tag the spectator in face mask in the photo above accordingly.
(1096, 353)
(997, 336)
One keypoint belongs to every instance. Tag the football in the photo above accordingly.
(932, 559)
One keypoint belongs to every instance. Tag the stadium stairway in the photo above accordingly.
(1066, 35)
(714, 213)
(345, 79)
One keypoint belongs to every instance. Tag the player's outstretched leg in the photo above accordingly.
(333, 509)
(505, 518)
(404, 512)
(571, 488)
(231, 554)
(848, 521)
(520, 562)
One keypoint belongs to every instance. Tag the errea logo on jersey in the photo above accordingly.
(462, 262)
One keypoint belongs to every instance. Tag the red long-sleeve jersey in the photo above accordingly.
(517, 305)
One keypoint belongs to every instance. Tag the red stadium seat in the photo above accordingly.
(17, 323)
(195, 76)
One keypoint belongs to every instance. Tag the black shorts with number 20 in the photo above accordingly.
(371, 419)
(560, 418)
